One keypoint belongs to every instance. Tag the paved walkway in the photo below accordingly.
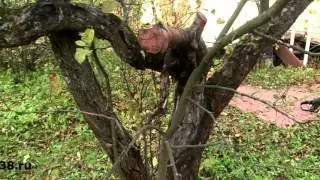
(290, 103)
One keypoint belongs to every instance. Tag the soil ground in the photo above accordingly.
(286, 99)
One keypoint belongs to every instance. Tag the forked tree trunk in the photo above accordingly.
(197, 126)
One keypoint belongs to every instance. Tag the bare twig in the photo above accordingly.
(154, 11)
(234, 16)
(252, 97)
(172, 162)
(151, 154)
(282, 96)
(163, 160)
(104, 74)
(198, 145)
(203, 108)
(131, 144)
(207, 111)
(142, 90)
(186, 19)
(108, 95)
(126, 82)
(158, 112)
(125, 10)
(145, 152)
(161, 106)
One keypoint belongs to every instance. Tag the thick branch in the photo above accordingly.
(19, 27)
(28, 24)
(264, 5)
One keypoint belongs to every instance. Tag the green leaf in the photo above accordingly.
(80, 43)
(88, 36)
(81, 54)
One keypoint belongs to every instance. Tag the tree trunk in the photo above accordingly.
(267, 57)
(264, 5)
(87, 93)
(197, 125)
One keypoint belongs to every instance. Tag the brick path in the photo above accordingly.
(290, 104)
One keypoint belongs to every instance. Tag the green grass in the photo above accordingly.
(57, 145)
(248, 147)
(278, 77)
(61, 144)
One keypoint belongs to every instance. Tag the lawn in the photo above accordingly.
(61, 145)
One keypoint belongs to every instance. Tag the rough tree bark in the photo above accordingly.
(89, 97)
(232, 73)
(62, 21)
